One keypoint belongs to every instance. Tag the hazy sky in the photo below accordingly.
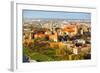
(54, 14)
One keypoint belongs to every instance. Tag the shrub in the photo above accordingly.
(26, 51)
